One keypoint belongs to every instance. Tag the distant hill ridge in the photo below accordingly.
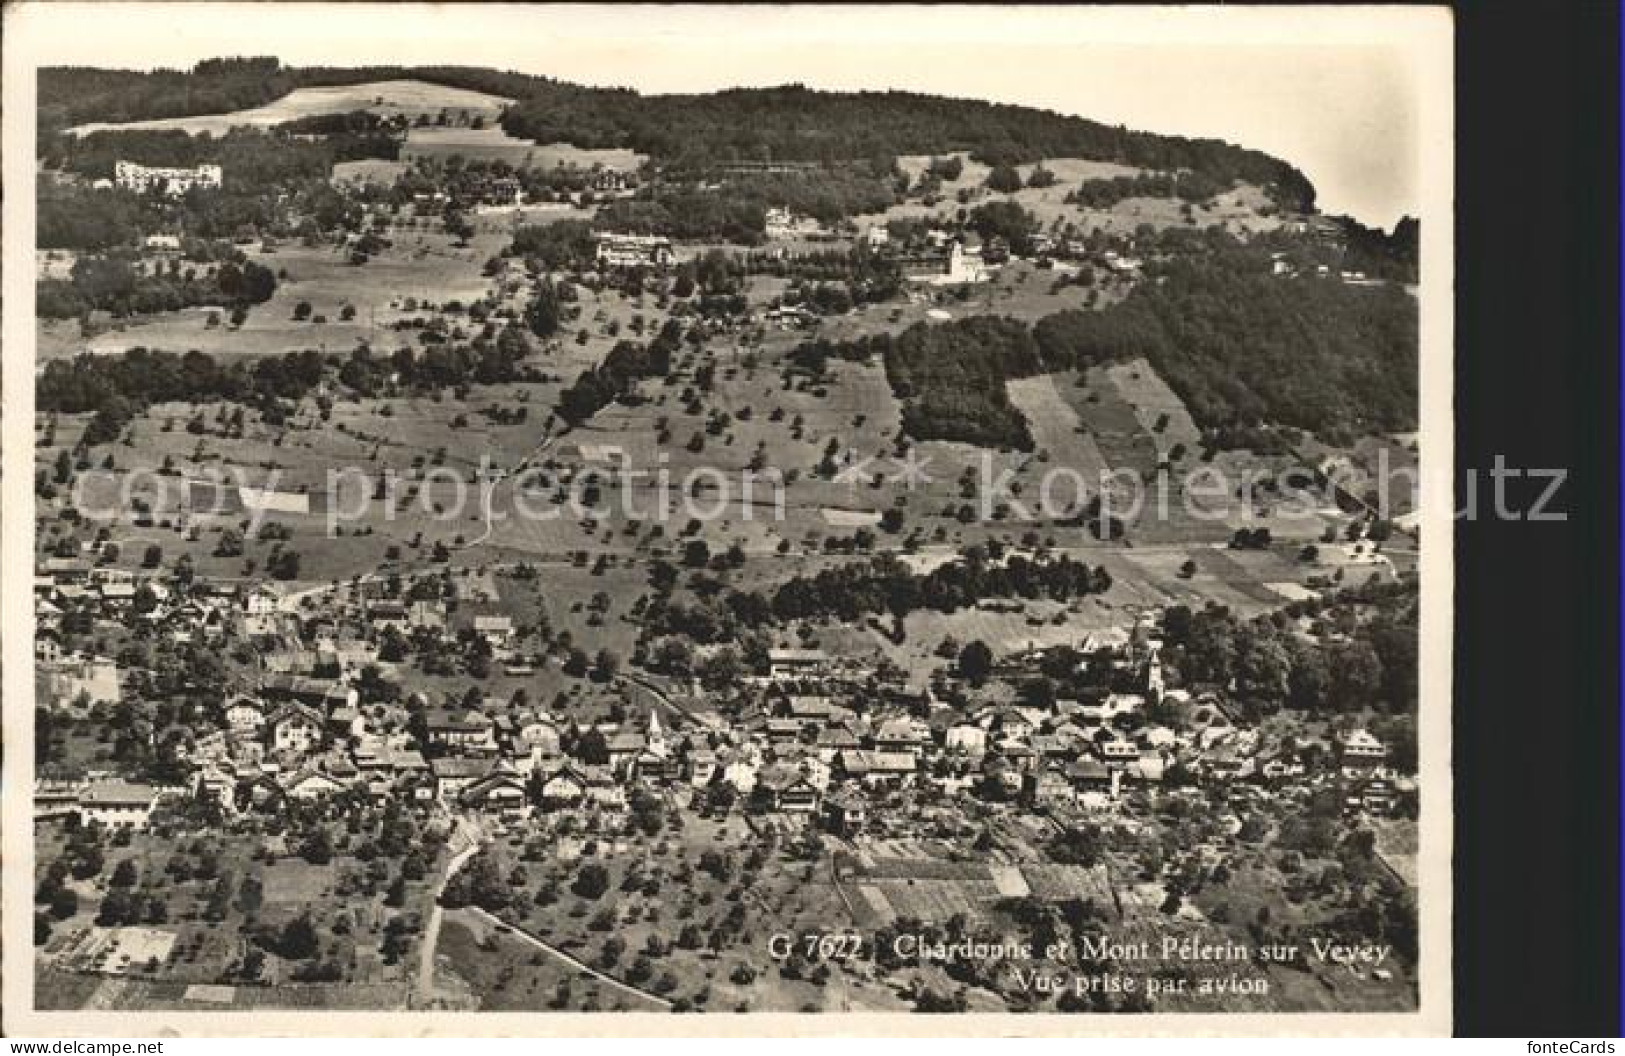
(787, 123)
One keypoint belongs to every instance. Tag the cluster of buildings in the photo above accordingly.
(822, 737)
(130, 176)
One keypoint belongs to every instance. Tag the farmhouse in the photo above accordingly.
(498, 630)
(500, 794)
(794, 663)
(876, 769)
(469, 732)
(260, 601)
(117, 803)
(316, 692)
(454, 774)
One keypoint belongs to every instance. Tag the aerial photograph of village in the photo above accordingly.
(511, 545)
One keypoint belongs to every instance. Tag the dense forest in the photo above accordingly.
(1348, 652)
(1187, 186)
(887, 585)
(1244, 347)
(790, 123)
(1241, 346)
(125, 286)
(881, 586)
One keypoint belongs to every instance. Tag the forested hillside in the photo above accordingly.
(790, 123)
(1241, 346)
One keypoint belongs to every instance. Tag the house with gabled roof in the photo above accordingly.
(499, 794)
(452, 774)
(117, 804)
(785, 789)
(470, 731)
(565, 788)
(846, 813)
(495, 629)
(835, 739)
(876, 769)
(244, 714)
(294, 728)
(312, 783)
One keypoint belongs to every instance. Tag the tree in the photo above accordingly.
(64, 903)
(1356, 676)
(975, 662)
(124, 874)
(591, 881)
(230, 544)
(1263, 672)
(1078, 846)
(1004, 179)
(317, 848)
(298, 940)
(153, 557)
(301, 311)
(284, 564)
(1310, 677)
(544, 313)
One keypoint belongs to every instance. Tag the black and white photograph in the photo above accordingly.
(524, 516)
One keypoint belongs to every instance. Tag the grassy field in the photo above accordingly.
(1237, 210)
(424, 264)
(388, 98)
(494, 144)
(503, 973)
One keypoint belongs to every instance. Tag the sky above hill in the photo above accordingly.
(1333, 92)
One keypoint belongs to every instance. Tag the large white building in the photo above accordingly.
(140, 178)
(634, 251)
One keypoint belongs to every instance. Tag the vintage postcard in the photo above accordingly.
(558, 519)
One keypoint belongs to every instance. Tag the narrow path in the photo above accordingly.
(489, 488)
(653, 689)
(574, 962)
(431, 932)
